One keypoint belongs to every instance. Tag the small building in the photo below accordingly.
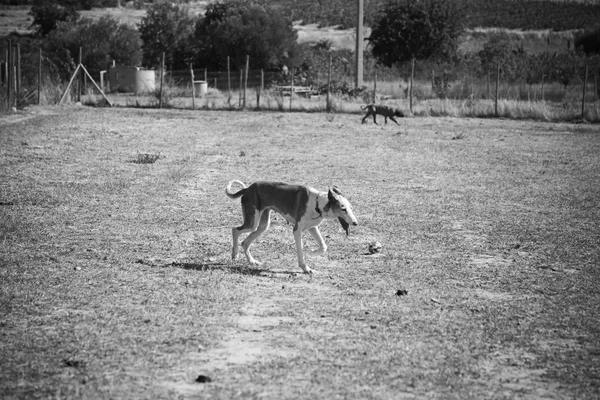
(131, 79)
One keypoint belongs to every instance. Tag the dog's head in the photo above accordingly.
(341, 208)
(398, 113)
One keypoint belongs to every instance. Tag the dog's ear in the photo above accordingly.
(337, 190)
(332, 195)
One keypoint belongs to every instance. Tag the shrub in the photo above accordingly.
(237, 28)
(167, 28)
(419, 29)
(102, 41)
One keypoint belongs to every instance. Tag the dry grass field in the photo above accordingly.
(116, 279)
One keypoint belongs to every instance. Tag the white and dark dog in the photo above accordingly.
(302, 206)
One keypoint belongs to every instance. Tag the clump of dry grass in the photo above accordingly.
(147, 158)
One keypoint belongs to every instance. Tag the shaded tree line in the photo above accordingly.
(230, 30)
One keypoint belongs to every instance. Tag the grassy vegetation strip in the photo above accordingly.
(116, 279)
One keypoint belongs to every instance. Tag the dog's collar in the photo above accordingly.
(318, 210)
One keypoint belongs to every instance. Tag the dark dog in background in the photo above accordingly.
(385, 111)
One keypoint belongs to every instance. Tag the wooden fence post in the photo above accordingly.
(9, 73)
(193, 87)
(412, 79)
(228, 83)
(39, 78)
(328, 105)
(241, 87)
(162, 78)
(584, 88)
(18, 75)
(80, 80)
(292, 89)
(246, 78)
(597, 93)
(375, 89)
(497, 85)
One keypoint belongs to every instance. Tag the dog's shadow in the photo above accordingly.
(225, 266)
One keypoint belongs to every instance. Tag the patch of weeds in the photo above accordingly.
(147, 158)
(459, 136)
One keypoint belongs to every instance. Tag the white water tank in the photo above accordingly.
(131, 79)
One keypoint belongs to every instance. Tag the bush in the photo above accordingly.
(102, 41)
(167, 28)
(420, 29)
(48, 14)
(237, 28)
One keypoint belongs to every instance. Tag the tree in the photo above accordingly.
(102, 41)
(48, 14)
(589, 42)
(167, 28)
(422, 29)
(237, 28)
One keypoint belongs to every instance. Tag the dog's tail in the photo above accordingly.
(365, 107)
(235, 195)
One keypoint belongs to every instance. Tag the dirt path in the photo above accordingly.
(260, 331)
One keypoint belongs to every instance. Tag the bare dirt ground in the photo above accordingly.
(116, 279)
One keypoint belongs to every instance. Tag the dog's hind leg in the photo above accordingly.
(251, 218)
(263, 225)
(316, 234)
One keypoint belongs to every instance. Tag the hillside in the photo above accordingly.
(536, 25)
(510, 14)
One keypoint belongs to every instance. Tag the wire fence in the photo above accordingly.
(41, 82)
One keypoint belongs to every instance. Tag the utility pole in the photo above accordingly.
(359, 42)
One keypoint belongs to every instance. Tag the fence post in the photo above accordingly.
(327, 106)
(375, 89)
(497, 84)
(162, 77)
(80, 81)
(18, 75)
(9, 73)
(39, 78)
(583, 98)
(228, 83)
(5, 73)
(241, 84)
(262, 80)
(292, 89)
(193, 87)
(246, 78)
(412, 79)
(597, 93)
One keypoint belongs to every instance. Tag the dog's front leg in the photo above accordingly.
(316, 234)
(299, 250)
